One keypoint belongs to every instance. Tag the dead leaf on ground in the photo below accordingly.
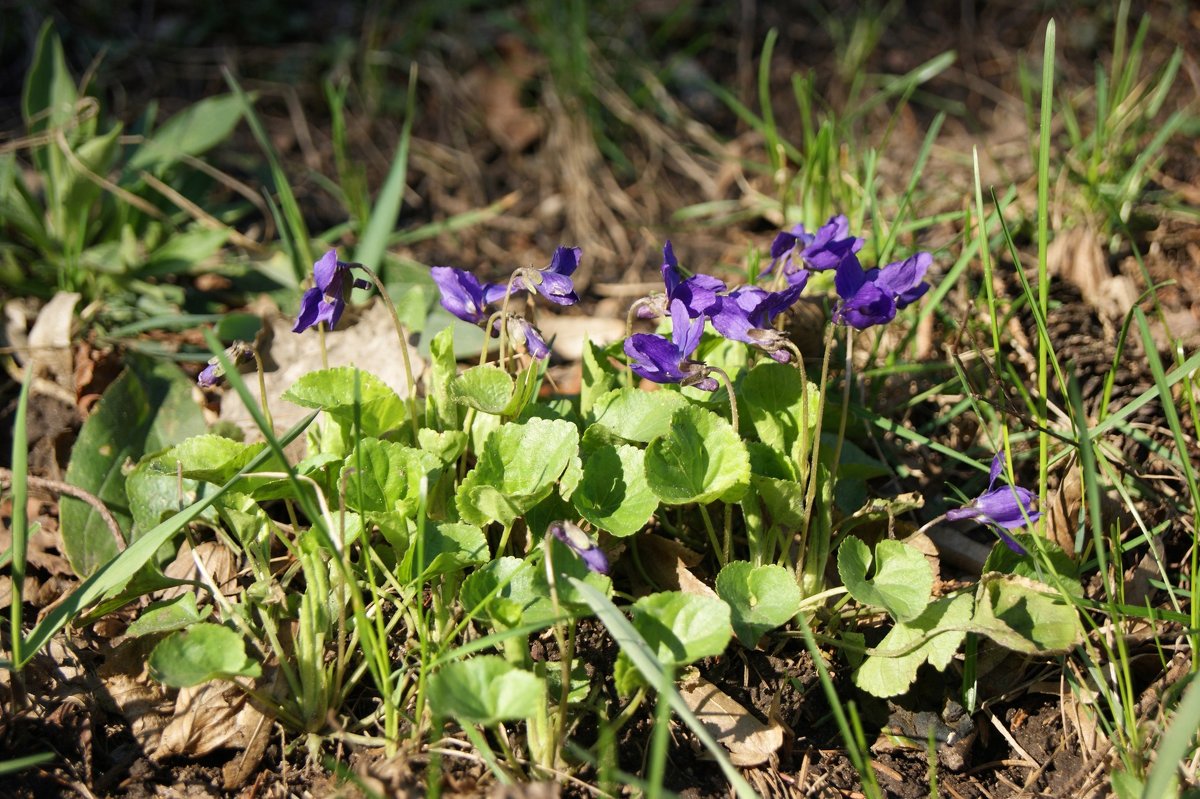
(1076, 255)
(217, 561)
(50, 354)
(128, 690)
(749, 741)
(667, 564)
(208, 717)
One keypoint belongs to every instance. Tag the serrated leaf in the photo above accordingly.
(450, 547)
(774, 397)
(485, 689)
(682, 628)
(518, 467)
(201, 653)
(701, 458)
(210, 458)
(144, 410)
(932, 637)
(613, 493)
(486, 388)
(760, 598)
(382, 476)
(333, 391)
(193, 131)
(637, 415)
(902, 579)
(598, 377)
(1025, 615)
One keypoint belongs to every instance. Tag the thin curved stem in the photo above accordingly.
(733, 411)
(408, 370)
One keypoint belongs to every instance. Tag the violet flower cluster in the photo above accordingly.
(468, 299)
(326, 300)
(748, 313)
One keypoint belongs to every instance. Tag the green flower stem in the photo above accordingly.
(733, 411)
(628, 712)
(324, 351)
(408, 371)
(810, 494)
(722, 554)
(262, 380)
(504, 317)
(846, 375)
(629, 317)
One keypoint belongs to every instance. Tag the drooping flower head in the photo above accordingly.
(1008, 507)
(748, 312)
(873, 297)
(326, 300)
(579, 543)
(554, 282)
(799, 251)
(698, 292)
(662, 361)
(519, 329)
(463, 295)
(237, 352)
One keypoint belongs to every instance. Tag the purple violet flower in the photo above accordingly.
(579, 543)
(326, 300)
(236, 352)
(799, 251)
(873, 297)
(698, 292)
(553, 282)
(463, 295)
(1006, 508)
(662, 361)
(748, 312)
(519, 329)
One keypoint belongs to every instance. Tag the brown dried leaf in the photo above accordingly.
(128, 690)
(749, 741)
(50, 341)
(207, 717)
(218, 563)
(666, 563)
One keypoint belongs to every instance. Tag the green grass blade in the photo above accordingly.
(1043, 243)
(303, 260)
(382, 222)
(22, 763)
(117, 572)
(632, 644)
(1174, 746)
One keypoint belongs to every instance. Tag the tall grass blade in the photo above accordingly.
(20, 521)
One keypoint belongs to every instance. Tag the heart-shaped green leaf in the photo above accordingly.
(485, 689)
(519, 466)
(334, 391)
(701, 458)
(382, 476)
(682, 628)
(901, 584)
(778, 403)
(201, 653)
(637, 415)
(932, 637)
(613, 494)
(1025, 615)
(759, 598)
(167, 616)
(486, 388)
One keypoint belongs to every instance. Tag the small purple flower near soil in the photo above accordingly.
(1008, 507)
(211, 375)
(553, 282)
(799, 251)
(662, 361)
(326, 300)
(463, 295)
(873, 297)
(579, 543)
(698, 292)
(747, 313)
